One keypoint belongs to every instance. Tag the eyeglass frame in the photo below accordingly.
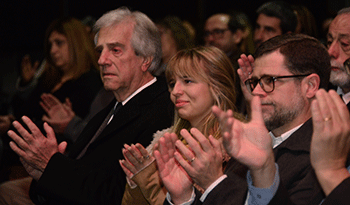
(274, 79)
(216, 33)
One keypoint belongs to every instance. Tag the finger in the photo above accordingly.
(130, 166)
(324, 105)
(340, 105)
(136, 153)
(68, 103)
(129, 156)
(193, 144)
(44, 106)
(169, 144)
(143, 151)
(317, 119)
(222, 118)
(50, 133)
(160, 162)
(17, 150)
(203, 141)
(36, 133)
(19, 141)
(216, 144)
(184, 163)
(62, 147)
(256, 110)
(22, 131)
(185, 151)
(127, 172)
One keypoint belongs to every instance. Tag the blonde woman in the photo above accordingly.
(197, 78)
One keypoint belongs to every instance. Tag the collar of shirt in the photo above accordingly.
(278, 140)
(133, 94)
(346, 96)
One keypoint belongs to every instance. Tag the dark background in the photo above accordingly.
(23, 22)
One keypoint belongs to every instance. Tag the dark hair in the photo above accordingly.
(181, 35)
(281, 10)
(303, 54)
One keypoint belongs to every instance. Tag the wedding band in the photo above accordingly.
(192, 159)
(327, 119)
(146, 157)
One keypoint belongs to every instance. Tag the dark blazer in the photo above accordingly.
(337, 196)
(97, 177)
(298, 180)
(340, 195)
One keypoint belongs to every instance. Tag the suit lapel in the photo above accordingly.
(89, 130)
(300, 140)
(126, 114)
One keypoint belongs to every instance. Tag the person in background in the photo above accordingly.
(306, 21)
(274, 18)
(174, 37)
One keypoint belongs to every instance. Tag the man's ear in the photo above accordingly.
(311, 84)
(146, 63)
(238, 36)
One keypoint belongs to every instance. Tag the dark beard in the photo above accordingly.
(280, 119)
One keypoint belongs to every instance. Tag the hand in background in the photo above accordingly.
(5, 123)
(28, 69)
(58, 114)
(245, 70)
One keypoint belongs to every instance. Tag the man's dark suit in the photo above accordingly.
(336, 197)
(298, 180)
(97, 177)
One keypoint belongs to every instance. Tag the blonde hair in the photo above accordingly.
(212, 66)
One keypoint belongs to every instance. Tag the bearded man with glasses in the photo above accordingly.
(274, 145)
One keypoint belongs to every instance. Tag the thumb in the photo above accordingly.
(62, 147)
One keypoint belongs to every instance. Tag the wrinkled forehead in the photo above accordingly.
(340, 26)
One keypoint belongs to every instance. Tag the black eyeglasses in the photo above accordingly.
(216, 33)
(266, 82)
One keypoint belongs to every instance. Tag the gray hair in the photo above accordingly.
(145, 39)
(344, 11)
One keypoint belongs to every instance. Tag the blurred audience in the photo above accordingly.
(69, 71)
(274, 18)
(174, 36)
(306, 21)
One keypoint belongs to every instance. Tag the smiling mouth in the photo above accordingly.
(180, 103)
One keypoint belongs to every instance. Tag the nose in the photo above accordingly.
(53, 48)
(258, 34)
(258, 91)
(209, 39)
(177, 89)
(104, 57)
(333, 50)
